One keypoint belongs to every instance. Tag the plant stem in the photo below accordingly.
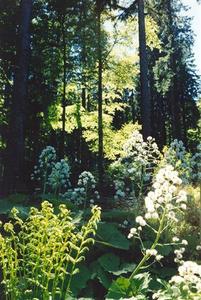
(147, 256)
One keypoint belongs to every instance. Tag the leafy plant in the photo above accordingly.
(40, 256)
(137, 288)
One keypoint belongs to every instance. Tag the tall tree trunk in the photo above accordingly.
(64, 89)
(173, 95)
(83, 54)
(13, 176)
(100, 97)
(144, 81)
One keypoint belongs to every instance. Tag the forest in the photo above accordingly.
(100, 151)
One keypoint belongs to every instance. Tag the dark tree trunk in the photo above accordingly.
(13, 175)
(84, 102)
(62, 152)
(83, 55)
(144, 81)
(100, 98)
(173, 94)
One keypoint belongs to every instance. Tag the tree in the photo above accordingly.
(100, 95)
(13, 177)
(144, 81)
(175, 83)
(145, 95)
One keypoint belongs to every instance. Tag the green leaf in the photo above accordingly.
(80, 279)
(98, 272)
(108, 235)
(120, 288)
(165, 250)
(110, 262)
(140, 283)
(124, 269)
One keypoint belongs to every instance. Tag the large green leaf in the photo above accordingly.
(124, 268)
(80, 279)
(98, 272)
(110, 262)
(120, 288)
(108, 235)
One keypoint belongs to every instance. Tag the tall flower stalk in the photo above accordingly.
(162, 204)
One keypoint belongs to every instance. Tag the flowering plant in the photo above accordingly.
(164, 205)
(196, 165)
(177, 156)
(184, 286)
(58, 179)
(134, 169)
(85, 191)
(46, 161)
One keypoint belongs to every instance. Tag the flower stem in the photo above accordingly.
(147, 256)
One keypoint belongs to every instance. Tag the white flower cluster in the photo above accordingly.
(119, 187)
(85, 191)
(58, 179)
(154, 253)
(47, 157)
(196, 164)
(140, 221)
(133, 171)
(163, 203)
(165, 195)
(87, 180)
(46, 161)
(177, 156)
(54, 178)
(143, 152)
(185, 285)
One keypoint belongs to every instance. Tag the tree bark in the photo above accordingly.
(100, 98)
(64, 89)
(13, 175)
(144, 81)
(173, 95)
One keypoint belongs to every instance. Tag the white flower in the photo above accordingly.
(151, 252)
(140, 221)
(159, 257)
(184, 242)
(133, 231)
(149, 204)
(189, 268)
(183, 206)
(177, 279)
